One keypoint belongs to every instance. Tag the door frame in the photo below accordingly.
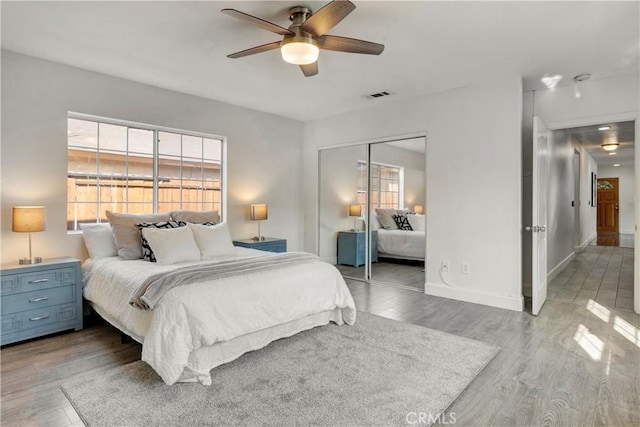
(619, 117)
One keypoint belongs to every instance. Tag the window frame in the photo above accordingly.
(156, 131)
(363, 190)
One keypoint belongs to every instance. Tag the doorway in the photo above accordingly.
(600, 270)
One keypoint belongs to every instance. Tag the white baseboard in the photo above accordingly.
(558, 268)
(584, 244)
(478, 297)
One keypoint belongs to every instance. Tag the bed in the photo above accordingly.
(197, 326)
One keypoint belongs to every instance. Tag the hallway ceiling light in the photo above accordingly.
(604, 128)
(616, 164)
(613, 154)
(611, 146)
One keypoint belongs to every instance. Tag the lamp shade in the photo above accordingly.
(419, 209)
(28, 219)
(355, 210)
(259, 212)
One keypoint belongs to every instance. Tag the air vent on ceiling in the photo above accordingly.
(378, 95)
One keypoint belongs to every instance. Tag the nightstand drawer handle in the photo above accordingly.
(33, 319)
(38, 299)
(38, 281)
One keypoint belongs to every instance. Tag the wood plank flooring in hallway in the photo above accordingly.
(603, 274)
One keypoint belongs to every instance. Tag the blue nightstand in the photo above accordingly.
(352, 247)
(40, 299)
(269, 244)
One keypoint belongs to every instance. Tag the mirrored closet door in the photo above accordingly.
(371, 211)
(397, 222)
(342, 238)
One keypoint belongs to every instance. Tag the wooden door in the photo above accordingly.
(607, 203)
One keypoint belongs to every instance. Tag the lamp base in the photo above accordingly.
(34, 260)
(257, 239)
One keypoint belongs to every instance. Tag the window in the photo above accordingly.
(130, 168)
(386, 186)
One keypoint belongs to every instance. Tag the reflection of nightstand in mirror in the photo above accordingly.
(269, 244)
(352, 247)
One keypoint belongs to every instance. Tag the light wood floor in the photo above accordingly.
(573, 365)
(603, 274)
(396, 272)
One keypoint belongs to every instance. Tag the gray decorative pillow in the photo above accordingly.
(196, 217)
(147, 252)
(127, 235)
(385, 216)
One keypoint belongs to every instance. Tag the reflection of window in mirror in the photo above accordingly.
(387, 188)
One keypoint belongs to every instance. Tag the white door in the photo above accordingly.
(538, 226)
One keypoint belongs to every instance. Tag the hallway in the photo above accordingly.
(600, 273)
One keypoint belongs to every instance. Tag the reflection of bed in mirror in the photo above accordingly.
(401, 244)
(396, 243)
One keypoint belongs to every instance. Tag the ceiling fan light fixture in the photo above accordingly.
(299, 50)
(610, 146)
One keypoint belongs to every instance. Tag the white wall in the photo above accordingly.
(626, 186)
(610, 99)
(264, 150)
(560, 194)
(588, 213)
(473, 196)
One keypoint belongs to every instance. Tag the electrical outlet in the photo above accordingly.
(444, 266)
(465, 268)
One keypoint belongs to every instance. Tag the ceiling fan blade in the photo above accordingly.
(254, 50)
(269, 26)
(310, 69)
(346, 44)
(327, 17)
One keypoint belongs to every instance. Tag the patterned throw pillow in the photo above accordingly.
(403, 222)
(147, 253)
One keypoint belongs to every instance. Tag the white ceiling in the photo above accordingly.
(592, 139)
(430, 47)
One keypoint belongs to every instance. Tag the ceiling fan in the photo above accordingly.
(302, 41)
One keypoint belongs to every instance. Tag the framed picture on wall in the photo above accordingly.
(594, 189)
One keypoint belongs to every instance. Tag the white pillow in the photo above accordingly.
(213, 241)
(98, 238)
(417, 222)
(172, 245)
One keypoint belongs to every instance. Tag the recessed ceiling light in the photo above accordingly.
(604, 128)
(616, 164)
(613, 154)
(611, 146)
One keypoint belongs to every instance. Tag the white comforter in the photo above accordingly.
(201, 314)
(402, 243)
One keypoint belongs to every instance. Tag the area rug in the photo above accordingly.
(377, 372)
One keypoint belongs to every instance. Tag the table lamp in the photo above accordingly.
(419, 209)
(259, 213)
(29, 219)
(355, 211)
